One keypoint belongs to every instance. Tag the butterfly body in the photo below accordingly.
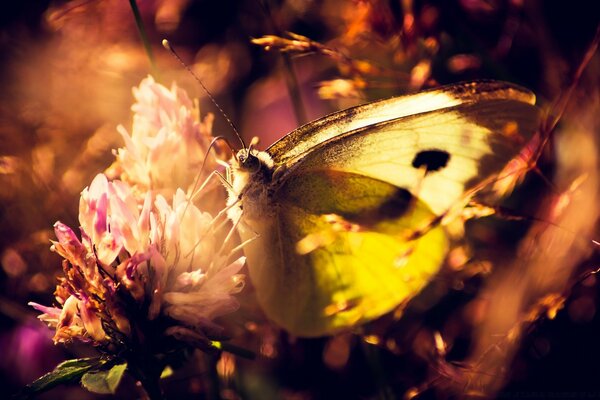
(330, 211)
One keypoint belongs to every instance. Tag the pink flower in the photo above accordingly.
(159, 259)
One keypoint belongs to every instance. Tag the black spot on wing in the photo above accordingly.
(432, 160)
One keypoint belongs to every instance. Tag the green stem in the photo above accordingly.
(142, 31)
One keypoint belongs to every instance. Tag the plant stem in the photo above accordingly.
(290, 75)
(142, 31)
(294, 90)
(233, 349)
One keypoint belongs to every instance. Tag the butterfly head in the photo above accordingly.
(250, 176)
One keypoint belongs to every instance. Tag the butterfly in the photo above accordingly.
(329, 212)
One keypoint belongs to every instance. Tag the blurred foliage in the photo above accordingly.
(66, 75)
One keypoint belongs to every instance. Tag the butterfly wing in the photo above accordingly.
(334, 250)
(310, 135)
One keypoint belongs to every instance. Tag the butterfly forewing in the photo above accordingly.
(437, 155)
(306, 137)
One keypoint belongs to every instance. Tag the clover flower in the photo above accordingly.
(136, 264)
(147, 277)
(168, 142)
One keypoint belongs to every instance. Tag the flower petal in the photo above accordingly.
(91, 321)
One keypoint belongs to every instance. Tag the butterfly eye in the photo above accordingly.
(248, 161)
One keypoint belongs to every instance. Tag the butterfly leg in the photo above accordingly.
(214, 174)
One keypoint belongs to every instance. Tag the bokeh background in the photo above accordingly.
(519, 320)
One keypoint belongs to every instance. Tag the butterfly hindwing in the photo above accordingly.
(358, 264)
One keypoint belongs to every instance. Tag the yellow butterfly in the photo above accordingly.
(329, 209)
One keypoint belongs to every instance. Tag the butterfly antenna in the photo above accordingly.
(167, 46)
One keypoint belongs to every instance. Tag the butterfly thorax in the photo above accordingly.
(250, 177)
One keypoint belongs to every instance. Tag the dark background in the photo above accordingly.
(66, 75)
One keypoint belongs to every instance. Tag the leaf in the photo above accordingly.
(66, 372)
(104, 382)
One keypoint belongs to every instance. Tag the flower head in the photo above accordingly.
(139, 263)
